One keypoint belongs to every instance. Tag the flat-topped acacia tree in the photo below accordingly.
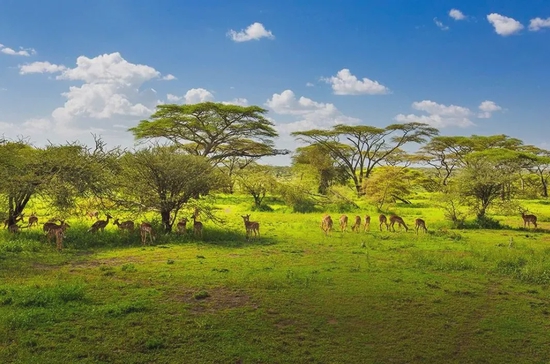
(216, 131)
(360, 148)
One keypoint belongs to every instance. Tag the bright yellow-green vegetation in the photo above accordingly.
(293, 296)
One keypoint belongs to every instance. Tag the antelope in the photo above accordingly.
(383, 220)
(16, 220)
(343, 222)
(528, 219)
(51, 229)
(146, 229)
(126, 225)
(59, 233)
(357, 225)
(100, 225)
(396, 219)
(197, 226)
(420, 224)
(52, 225)
(326, 224)
(251, 226)
(367, 223)
(182, 226)
(93, 215)
(33, 220)
(13, 228)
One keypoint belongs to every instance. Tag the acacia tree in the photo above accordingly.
(257, 181)
(540, 166)
(388, 183)
(215, 131)
(163, 179)
(359, 149)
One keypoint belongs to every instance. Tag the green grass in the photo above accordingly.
(293, 296)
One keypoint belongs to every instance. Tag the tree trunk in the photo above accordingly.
(544, 187)
(165, 215)
(16, 206)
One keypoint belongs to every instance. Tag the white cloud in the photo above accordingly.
(37, 125)
(504, 25)
(309, 84)
(487, 109)
(174, 98)
(457, 14)
(255, 31)
(238, 101)
(440, 24)
(40, 67)
(310, 114)
(438, 115)
(539, 23)
(344, 83)
(196, 95)
(169, 77)
(26, 52)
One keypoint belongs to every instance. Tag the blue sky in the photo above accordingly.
(310, 66)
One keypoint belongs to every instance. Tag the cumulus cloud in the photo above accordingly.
(538, 23)
(504, 25)
(40, 67)
(309, 114)
(26, 52)
(237, 101)
(440, 24)
(456, 14)
(438, 115)
(309, 84)
(344, 83)
(487, 109)
(255, 31)
(169, 77)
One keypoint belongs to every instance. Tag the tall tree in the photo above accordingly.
(359, 149)
(213, 130)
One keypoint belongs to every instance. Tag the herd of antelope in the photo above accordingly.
(327, 223)
(57, 231)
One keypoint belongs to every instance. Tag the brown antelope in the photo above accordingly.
(383, 220)
(59, 234)
(357, 225)
(146, 229)
(50, 229)
(125, 225)
(100, 225)
(367, 223)
(251, 226)
(33, 220)
(420, 224)
(16, 220)
(528, 219)
(197, 225)
(13, 228)
(182, 226)
(326, 224)
(93, 215)
(343, 222)
(396, 219)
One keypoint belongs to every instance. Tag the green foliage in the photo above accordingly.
(387, 183)
(297, 197)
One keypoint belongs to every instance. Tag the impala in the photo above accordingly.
(33, 220)
(59, 234)
(357, 225)
(182, 226)
(528, 219)
(125, 225)
(367, 223)
(326, 224)
(146, 229)
(420, 224)
(383, 220)
(343, 222)
(16, 220)
(100, 225)
(251, 226)
(197, 225)
(50, 229)
(396, 219)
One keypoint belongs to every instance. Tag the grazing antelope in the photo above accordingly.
(251, 226)
(125, 225)
(528, 219)
(326, 224)
(100, 225)
(146, 229)
(357, 225)
(93, 215)
(182, 226)
(367, 223)
(343, 222)
(420, 224)
(59, 234)
(396, 219)
(50, 228)
(33, 220)
(383, 220)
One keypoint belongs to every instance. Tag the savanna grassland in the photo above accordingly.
(292, 296)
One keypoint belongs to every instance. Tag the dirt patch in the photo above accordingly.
(218, 299)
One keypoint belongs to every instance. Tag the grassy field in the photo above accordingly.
(293, 296)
